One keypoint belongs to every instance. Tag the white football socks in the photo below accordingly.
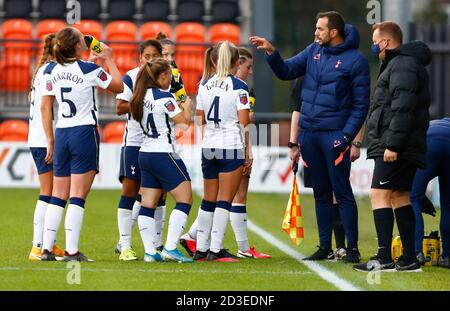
(219, 226)
(53, 217)
(147, 229)
(238, 219)
(38, 221)
(73, 224)
(177, 223)
(160, 218)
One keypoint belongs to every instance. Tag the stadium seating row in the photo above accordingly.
(19, 49)
(17, 131)
(150, 10)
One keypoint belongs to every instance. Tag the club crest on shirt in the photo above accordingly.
(102, 75)
(243, 98)
(169, 106)
(49, 85)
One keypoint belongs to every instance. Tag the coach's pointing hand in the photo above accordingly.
(262, 44)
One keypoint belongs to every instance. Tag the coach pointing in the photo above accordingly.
(335, 101)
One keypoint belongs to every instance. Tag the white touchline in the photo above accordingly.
(323, 272)
(84, 269)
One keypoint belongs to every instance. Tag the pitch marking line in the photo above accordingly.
(328, 275)
(154, 270)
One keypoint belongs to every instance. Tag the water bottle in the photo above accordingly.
(93, 44)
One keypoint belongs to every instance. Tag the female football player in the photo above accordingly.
(161, 168)
(223, 105)
(130, 172)
(38, 147)
(238, 212)
(188, 240)
(75, 145)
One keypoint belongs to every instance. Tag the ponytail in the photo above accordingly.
(228, 55)
(210, 62)
(47, 53)
(147, 77)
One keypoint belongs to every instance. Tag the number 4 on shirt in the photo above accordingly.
(214, 110)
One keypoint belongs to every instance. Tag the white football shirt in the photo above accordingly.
(220, 100)
(74, 86)
(159, 108)
(36, 134)
(133, 135)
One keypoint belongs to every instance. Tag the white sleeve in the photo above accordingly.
(47, 89)
(127, 93)
(199, 99)
(171, 107)
(101, 78)
(242, 100)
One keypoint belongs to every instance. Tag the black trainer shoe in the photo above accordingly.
(407, 265)
(352, 256)
(221, 256)
(200, 256)
(420, 258)
(187, 245)
(78, 256)
(47, 256)
(376, 264)
(444, 262)
(321, 254)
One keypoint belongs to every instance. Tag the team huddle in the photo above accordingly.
(152, 96)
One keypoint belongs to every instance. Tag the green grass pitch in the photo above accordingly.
(99, 237)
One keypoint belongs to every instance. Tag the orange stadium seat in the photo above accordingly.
(15, 73)
(190, 57)
(89, 27)
(150, 30)
(14, 130)
(121, 37)
(113, 132)
(46, 27)
(17, 29)
(225, 31)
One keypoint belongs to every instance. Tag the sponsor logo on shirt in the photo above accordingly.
(243, 98)
(170, 106)
(49, 85)
(102, 75)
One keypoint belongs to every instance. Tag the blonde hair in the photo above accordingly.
(147, 77)
(227, 56)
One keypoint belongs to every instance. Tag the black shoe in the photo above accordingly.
(186, 247)
(352, 256)
(408, 265)
(200, 256)
(78, 256)
(321, 254)
(221, 256)
(375, 264)
(47, 256)
(420, 258)
(444, 262)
